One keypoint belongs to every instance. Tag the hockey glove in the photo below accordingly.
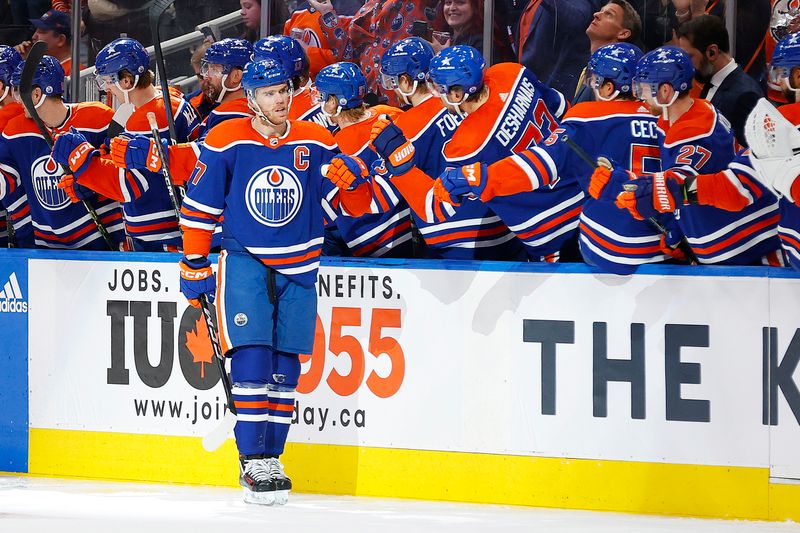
(197, 279)
(468, 180)
(347, 172)
(73, 150)
(647, 196)
(391, 144)
(76, 192)
(138, 152)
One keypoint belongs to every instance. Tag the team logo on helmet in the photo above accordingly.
(397, 22)
(273, 196)
(45, 175)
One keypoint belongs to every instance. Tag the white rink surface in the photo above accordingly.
(30, 504)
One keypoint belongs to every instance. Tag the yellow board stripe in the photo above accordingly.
(669, 489)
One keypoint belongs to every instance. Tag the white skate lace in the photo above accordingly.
(258, 469)
(275, 468)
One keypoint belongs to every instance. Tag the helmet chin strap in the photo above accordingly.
(126, 91)
(404, 95)
(5, 93)
(38, 104)
(665, 107)
(603, 98)
(225, 90)
(461, 113)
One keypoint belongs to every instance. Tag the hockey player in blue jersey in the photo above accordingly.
(15, 225)
(615, 126)
(25, 161)
(695, 139)
(386, 230)
(507, 110)
(264, 179)
(122, 68)
(222, 66)
(470, 231)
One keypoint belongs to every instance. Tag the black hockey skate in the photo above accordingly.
(282, 483)
(255, 476)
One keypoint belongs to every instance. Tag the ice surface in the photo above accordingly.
(29, 504)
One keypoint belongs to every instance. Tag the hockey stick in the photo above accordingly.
(683, 245)
(26, 93)
(219, 434)
(156, 11)
(151, 118)
(119, 120)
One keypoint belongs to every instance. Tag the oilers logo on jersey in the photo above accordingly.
(45, 175)
(273, 196)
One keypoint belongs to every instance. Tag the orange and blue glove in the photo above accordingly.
(137, 152)
(649, 196)
(465, 181)
(73, 150)
(75, 191)
(197, 279)
(347, 172)
(391, 144)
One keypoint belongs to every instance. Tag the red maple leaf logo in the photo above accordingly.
(199, 344)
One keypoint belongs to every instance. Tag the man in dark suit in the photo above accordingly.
(726, 85)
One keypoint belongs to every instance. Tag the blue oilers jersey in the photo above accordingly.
(625, 132)
(468, 231)
(149, 215)
(789, 231)
(57, 222)
(701, 142)
(267, 193)
(304, 108)
(520, 113)
(386, 230)
(236, 108)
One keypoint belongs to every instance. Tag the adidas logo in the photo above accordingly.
(11, 298)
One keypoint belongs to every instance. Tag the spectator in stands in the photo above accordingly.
(552, 40)
(733, 92)
(53, 28)
(251, 16)
(463, 21)
(376, 26)
(107, 19)
(616, 22)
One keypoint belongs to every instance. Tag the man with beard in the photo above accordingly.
(726, 85)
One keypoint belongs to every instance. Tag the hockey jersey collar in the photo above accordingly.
(698, 122)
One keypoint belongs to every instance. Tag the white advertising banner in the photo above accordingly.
(643, 368)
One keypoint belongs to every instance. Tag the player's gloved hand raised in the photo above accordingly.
(73, 150)
(75, 191)
(347, 172)
(391, 144)
(197, 279)
(647, 196)
(137, 152)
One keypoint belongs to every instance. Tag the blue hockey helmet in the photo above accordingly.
(785, 57)
(411, 56)
(615, 63)
(264, 73)
(283, 49)
(345, 82)
(9, 59)
(668, 64)
(456, 66)
(229, 53)
(122, 54)
(49, 76)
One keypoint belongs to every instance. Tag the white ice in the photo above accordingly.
(29, 504)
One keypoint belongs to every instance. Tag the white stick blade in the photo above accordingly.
(217, 437)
